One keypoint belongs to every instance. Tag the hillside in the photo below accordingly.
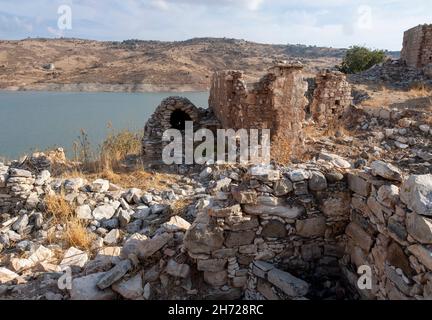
(135, 65)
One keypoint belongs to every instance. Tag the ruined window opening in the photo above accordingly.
(337, 102)
(178, 119)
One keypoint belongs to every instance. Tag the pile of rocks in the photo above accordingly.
(393, 73)
(260, 232)
(404, 135)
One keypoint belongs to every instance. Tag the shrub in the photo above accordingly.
(358, 59)
(117, 146)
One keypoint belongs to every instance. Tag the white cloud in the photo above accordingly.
(161, 4)
(254, 4)
(325, 22)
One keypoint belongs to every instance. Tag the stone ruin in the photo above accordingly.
(276, 102)
(280, 101)
(172, 113)
(331, 97)
(306, 231)
(417, 46)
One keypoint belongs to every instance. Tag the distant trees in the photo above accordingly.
(358, 59)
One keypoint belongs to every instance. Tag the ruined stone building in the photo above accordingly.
(280, 101)
(331, 97)
(417, 46)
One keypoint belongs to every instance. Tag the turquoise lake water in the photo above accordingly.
(39, 120)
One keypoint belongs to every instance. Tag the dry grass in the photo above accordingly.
(117, 146)
(386, 97)
(136, 179)
(379, 99)
(179, 207)
(77, 235)
(419, 91)
(75, 230)
(283, 153)
(61, 210)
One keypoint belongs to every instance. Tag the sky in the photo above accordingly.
(378, 24)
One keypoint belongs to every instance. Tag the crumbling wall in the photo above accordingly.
(304, 232)
(417, 46)
(162, 120)
(274, 235)
(391, 232)
(276, 102)
(331, 98)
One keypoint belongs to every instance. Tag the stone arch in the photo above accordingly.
(178, 119)
(172, 113)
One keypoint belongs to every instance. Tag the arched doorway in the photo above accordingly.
(178, 118)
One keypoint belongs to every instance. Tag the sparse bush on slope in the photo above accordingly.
(358, 59)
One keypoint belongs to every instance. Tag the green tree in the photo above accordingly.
(358, 59)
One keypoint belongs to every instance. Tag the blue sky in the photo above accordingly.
(335, 23)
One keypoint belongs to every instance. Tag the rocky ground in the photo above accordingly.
(163, 243)
(361, 195)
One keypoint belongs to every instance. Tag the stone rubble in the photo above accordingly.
(284, 233)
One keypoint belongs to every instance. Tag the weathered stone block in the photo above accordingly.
(292, 286)
(180, 270)
(313, 227)
(244, 197)
(85, 288)
(213, 265)
(419, 227)
(423, 254)
(416, 193)
(358, 185)
(240, 238)
(274, 229)
(216, 279)
(359, 236)
(224, 212)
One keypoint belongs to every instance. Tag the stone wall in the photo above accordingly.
(21, 189)
(331, 98)
(276, 102)
(302, 232)
(171, 113)
(391, 231)
(417, 46)
(275, 235)
(279, 102)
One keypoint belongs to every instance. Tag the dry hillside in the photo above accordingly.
(135, 65)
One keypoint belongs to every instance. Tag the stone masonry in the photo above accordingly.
(417, 46)
(291, 232)
(171, 113)
(279, 101)
(276, 102)
(331, 98)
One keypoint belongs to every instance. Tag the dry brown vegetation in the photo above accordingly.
(117, 146)
(179, 207)
(385, 97)
(75, 231)
(118, 161)
(138, 178)
(185, 65)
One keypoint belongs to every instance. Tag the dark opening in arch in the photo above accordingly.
(178, 119)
